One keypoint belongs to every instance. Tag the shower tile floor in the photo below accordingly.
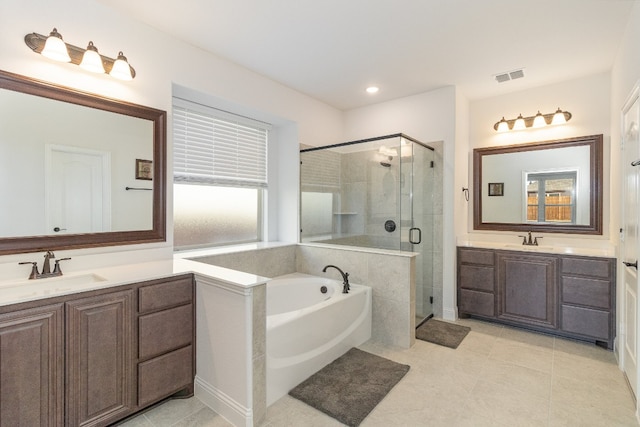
(497, 377)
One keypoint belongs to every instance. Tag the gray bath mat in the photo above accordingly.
(350, 387)
(442, 333)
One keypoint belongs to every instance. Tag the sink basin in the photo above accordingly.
(47, 287)
(522, 247)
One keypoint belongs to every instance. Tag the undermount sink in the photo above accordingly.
(47, 287)
(534, 248)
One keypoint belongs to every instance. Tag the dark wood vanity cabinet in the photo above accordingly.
(587, 298)
(476, 282)
(32, 366)
(99, 342)
(572, 296)
(94, 358)
(166, 340)
(527, 288)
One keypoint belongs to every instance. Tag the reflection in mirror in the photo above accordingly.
(69, 169)
(553, 186)
(73, 166)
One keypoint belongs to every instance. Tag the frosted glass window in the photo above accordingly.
(211, 215)
(220, 174)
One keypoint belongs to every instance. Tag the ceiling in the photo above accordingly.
(333, 49)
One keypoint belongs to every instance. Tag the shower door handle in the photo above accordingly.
(411, 233)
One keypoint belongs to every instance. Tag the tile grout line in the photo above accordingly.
(553, 360)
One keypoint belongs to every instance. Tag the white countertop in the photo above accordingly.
(23, 290)
(606, 251)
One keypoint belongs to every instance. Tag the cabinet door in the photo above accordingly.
(32, 367)
(527, 289)
(99, 360)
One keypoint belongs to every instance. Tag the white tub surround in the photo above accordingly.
(391, 275)
(230, 354)
(308, 329)
(230, 325)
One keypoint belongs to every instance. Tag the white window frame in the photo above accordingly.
(211, 171)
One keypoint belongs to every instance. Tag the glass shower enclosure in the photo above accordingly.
(374, 193)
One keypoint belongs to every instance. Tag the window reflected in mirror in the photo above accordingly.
(551, 197)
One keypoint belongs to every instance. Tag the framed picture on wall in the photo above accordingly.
(496, 188)
(144, 169)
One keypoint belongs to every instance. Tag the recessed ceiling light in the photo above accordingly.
(373, 89)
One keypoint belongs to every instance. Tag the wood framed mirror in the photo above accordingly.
(551, 186)
(70, 169)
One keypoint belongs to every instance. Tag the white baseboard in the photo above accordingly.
(223, 405)
(449, 314)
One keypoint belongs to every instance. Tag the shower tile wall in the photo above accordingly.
(369, 192)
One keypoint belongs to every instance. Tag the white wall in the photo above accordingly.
(159, 61)
(587, 98)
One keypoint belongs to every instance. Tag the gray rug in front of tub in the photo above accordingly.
(350, 387)
(442, 333)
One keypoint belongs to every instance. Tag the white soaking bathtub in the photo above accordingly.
(307, 329)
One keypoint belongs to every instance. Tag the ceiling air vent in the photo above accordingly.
(509, 75)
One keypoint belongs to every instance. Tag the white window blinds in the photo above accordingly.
(215, 147)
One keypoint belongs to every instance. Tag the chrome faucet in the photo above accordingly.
(345, 278)
(530, 241)
(46, 267)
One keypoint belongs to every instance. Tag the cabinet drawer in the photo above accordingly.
(165, 330)
(594, 267)
(477, 277)
(582, 291)
(472, 302)
(164, 375)
(475, 256)
(165, 294)
(586, 321)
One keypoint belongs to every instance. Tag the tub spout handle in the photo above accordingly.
(345, 278)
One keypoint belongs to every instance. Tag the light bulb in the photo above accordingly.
(538, 120)
(91, 60)
(55, 48)
(519, 123)
(503, 125)
(558, 118)
(121, 69)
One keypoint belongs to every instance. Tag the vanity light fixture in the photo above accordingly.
(55, 48)
(539, 120)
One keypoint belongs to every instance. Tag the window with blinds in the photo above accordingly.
(218, 148)
(220, 176)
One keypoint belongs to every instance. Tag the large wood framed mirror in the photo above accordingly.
(551, 186)
(78, 170)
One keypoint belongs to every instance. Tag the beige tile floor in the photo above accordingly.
(497, 377)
